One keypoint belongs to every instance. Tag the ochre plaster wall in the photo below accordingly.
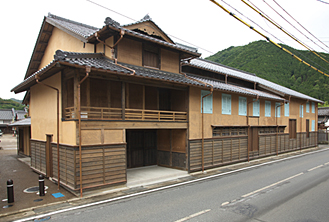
(169, 61)
(43, 110)
(217, 118)
(63, 41)
(130, 51)
(102, 136)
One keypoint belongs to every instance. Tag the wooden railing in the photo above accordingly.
(102, 113)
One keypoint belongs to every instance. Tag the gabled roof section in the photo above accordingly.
(112, 27)
(250, 77)
(323, 111)
(6, 114)
(78, 30)
(147, 26)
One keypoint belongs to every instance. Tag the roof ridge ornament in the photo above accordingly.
(146, 17)
(60, 55)
(109, 21)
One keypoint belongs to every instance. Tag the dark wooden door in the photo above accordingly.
(164, 99)
(253, 139)
(141, 148)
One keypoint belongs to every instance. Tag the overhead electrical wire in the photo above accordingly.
(292, 25)
(147, 25)
(283, 30)
(295, 51)
(268, 39)
(299, 23)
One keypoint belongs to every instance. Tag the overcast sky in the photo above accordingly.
(197, 22)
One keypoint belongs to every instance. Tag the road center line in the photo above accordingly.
(193, 215)
(326, 163)
(281, 181)
(315, 168)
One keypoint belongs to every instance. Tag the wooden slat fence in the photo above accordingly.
(217, 151)
(38, 156)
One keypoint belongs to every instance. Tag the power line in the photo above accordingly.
(281, 28)
(147, 25)
(323, 2)
(299, 23)
(293, 25)
(268, 39)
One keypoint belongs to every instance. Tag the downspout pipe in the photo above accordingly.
(257, 98)
(57, 90)
(202, 142)
(88, 69)
(277, 127)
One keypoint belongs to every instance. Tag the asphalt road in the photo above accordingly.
(291, 190)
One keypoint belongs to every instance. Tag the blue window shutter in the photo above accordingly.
(313, 107)
(308, 107)
(268, 108)
(313, 125)
(255, 108)
(207, 102)
(286, 109)
(278, 109)
(226, 104)
(242, 106)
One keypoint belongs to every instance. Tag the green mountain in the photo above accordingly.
(269, 62)
(9, 103)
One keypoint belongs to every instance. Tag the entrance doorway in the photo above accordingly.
(141, 148)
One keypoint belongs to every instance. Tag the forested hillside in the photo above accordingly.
(269, 62)
(10, 103)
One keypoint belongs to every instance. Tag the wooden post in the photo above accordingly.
(123, 100)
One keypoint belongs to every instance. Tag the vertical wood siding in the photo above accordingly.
(38, 156)
(223, 151)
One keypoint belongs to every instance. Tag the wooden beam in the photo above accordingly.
(123, 100)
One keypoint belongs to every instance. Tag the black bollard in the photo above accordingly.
(10, 191)
(41, 185)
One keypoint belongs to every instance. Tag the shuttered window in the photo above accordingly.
(226, 104)
(255, 108)
(292, 129)
(151, 56)
(301, 111)
(242, 106)
(307, 107)
(313, 107)
(207, 102)
(267, 109)
(286, 109)
(278, 109)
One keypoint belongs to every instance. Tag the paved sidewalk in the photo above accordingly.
(26, 204)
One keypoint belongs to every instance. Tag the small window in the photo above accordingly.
(242, 106)
(207, 102)
(286, 109)
(226, 104)
(278, 109)
(255, 108)
(307, 107)
(313, 107)
(301, 111)
(313, 125)
(229, 131)
(267, 109)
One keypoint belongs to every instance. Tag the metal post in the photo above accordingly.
(10, 191)
(41, 185)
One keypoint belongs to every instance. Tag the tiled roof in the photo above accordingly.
(6, 114)
(236, 89)
(219, 68)
(78, 28)
(23, 122)
(323, 111)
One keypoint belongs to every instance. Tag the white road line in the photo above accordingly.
(315, 168)
(225, 203)
(193, 215)
(165, 187)
(281, 181)
(326, 163)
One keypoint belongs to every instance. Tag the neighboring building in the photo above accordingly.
(8, 116)
(141, 104)
(23, 131)
(323, 117)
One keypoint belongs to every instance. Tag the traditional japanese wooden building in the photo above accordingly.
(128, 96)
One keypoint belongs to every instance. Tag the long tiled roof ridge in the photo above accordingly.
(61, 55)
(216, 67)
(71, 21)
(225, 66)
(144, 19)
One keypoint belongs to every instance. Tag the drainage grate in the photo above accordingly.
(33, 189)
